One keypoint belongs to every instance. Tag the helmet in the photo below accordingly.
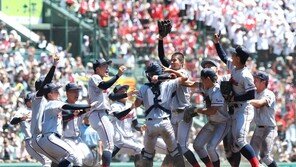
(153, 69)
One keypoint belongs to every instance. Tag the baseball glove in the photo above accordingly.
(189, 112)
(226, 90)
(164, 27)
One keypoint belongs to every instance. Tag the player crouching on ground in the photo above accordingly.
(124, 119)
(71, 123)
(218, 120)
(55, 148)
(265, 132)
(156, 97)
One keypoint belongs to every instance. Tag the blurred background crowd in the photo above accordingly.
(265, 28)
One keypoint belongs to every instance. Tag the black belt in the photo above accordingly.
(261, 126)
(165, 118)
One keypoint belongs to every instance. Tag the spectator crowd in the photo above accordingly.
(265, 28)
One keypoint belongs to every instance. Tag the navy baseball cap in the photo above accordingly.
(241, 52)
(118, 87)
(28, 97)
(262, 75)
(208, 61)
(51, 87)
(154, 69)
(100, 62)
(72, 86)
(208, 72)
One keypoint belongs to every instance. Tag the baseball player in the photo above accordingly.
(123, 119)
(97, 90)
(50, 141)
(23, 117)
(156, 96)
(38, 104)
(232, 158)
(71, 124)
(218, 120)
(244, 90)
(265, 132)
(181, 99)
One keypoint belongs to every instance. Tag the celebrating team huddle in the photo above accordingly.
(53, 127)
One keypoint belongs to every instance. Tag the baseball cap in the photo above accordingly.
(208, 61)
(28, 97)
(154, 69)
(100, 62)
(51, 87)
(118, 87)
(208, 72)
(262, 75)
(72, 86)
(241, 52)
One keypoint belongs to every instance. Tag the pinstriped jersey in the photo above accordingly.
(52, 118)
(182, 97)
(38, 104)
(241, 79)
(97, 94)
(265, 116)
(217, 100)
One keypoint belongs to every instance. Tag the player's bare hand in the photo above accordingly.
(217, 37)
(132, 93)
(121, 70)
(154, 79)
(76, 112)
(143, 128)
(56, 59)
(173, 76)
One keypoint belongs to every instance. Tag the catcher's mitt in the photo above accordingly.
(226, 90)
(189, 112)
(164, 27)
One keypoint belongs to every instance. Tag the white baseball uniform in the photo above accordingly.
(50, 141)
(25, 129)
(215, 129)
(38, 104)
(71, 135)
(123, 132)
(99, 117)
(181, 100)
(242, 81)
(157, 120)
(265, 132)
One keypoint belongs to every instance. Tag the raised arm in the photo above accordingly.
(164, 61)
(219, 49)
(48, 77)
(107, 84)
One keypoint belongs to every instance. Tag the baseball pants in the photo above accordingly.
(57, 149)
(127, 145)
(34, 143)
(40, 158)
(262, 142)
(82, 150)
(210, 135)
(243, 115)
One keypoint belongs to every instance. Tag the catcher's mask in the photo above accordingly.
(153, 69)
